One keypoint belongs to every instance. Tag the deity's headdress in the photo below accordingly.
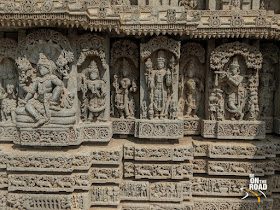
(161, 55)
(235, 62)
(43, 60)
(93, 68)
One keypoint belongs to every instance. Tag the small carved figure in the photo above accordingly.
(188, 4)
(125, 86)
(93, 90)
(8, 104)
(45, 92)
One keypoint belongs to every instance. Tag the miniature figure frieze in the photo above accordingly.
(93, 85)
(233, 96)
(125, 86)
(268, 84)
(159, 89)
(191, 87)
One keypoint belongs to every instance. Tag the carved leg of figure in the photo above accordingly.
(34, 113)
(13, 116)
(90, 117)
(188, 112)
(55, 97)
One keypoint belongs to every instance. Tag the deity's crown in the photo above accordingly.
(235, 62)
(43, 60)
(161, 55)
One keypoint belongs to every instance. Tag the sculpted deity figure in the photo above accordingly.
(125, 86)
(192, 87)
(45, 92)
(93, 89)
(9, 103)
(159, 83)
(235, 3)
(234, 90)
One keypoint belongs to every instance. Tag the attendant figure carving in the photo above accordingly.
(125, 86)
(191, 88)
(93, 93)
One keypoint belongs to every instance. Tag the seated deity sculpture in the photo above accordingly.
(159, 82)
(45, 92)
(125, 86)
(93, 90)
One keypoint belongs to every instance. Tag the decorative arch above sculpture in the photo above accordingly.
(222, 55)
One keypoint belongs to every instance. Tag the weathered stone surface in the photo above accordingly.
(139, 105)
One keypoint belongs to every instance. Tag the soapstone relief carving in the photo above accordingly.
(191, 87)
(93, 88)
(44, 75)
(159, 89)
(125, 86)
(233, 98)
(188, 4)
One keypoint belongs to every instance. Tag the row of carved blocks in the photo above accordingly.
(144, 129)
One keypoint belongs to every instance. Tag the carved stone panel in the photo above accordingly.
(159, 76)
(233, 95)
(191, 87)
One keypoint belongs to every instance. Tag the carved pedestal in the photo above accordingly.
(159, 129)
(95, 132)
(192, 126)
(233, 129)
(8, 132)
(46, 136)
(123, 126)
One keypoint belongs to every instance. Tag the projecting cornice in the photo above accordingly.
(141, 20)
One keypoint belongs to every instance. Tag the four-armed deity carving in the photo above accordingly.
(93, 93)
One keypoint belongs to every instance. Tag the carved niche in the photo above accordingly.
(125, 86)
(46, 100)
(9, 90)
(191, 87)
(233, 105)
(159, 89)
(93, 85)
(267, 81)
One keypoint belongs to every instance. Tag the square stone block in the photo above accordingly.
(233, 129)
(95, 132)
(159, 129)
(123, 126)
(8, 132)
(192, 126)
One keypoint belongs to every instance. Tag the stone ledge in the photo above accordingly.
(233, 129)
(159, 129)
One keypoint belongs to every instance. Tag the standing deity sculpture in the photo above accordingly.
(234, 89)
(45, 92)
(125, 86)
(159, 82)
(190, 88)
(93, 93)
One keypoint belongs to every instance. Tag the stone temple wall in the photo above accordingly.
(139, 105)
